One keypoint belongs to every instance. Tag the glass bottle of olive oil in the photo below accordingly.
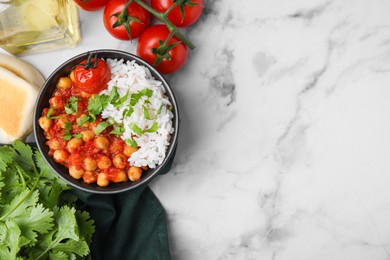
(29, 26)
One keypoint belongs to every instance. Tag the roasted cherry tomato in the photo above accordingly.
(92, 75)
(191, 13)
(91, 5)
(125, 20)
(170, 57)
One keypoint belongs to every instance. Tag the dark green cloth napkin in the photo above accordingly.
(129, 225)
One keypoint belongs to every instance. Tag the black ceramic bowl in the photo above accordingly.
(43, 101)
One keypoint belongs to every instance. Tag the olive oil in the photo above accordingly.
(30, 26)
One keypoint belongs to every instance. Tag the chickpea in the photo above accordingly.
(89, 164)
(85, 94)
(134, 173)
(104, 162)
(61, 121)
(120, 176)
(56, 102)
(45, 123)
(102, 180)
(71, 76)
(93, 125)
(116, 145)
(102, 142)
(129, 150)
(89, 177)
(85, 124)
(145, 168)
(119, 161)
(87, 135)
(76, 173)
(60, 156)
(73, 144)
(54, 144)
(64, 82)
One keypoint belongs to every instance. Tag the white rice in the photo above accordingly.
(129, 76)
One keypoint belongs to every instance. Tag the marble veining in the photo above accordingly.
(285, 130)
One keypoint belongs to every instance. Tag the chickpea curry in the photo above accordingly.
(75, 140)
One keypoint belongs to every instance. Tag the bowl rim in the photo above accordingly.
(170, 153)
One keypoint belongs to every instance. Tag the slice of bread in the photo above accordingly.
(22, 69)
(17, 101)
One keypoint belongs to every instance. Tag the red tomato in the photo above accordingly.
(92, 79)
(191, 12)
(91, 5)
(116, 19)
(148, 45)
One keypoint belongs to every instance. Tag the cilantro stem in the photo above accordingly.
(23, 199)
(48, 248)
(21, 176)
(164, 18)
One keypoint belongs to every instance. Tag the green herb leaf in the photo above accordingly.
(131, 142)
(114, 95)
(71, 105)
(127, 112)
(32, 226)
(153, 128)
(48, 115)
(121, 100)
(118, 130)
(83, 120)
(135, 97)
(97, 103)
(101, 127)
(136, 129)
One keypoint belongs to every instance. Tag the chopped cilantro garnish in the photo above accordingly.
(71, 105)
(135, 97)
(83, 120)
(153, 128)
(131, 142)
(49, 116)
(136, 129)
(118, 130)
(101, 127)
(68, 129)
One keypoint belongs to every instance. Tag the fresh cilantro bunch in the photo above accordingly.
(34, 224)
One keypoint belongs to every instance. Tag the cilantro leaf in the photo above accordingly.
(49, 116)
(97, 103)
(31, 223)
(72, 105)
(118, 130)
(153, 128)
(5, 157)
(121, 100)
(9, 246)
(136, 129)
(24, 155)
(135, 97)
(127, 112)
(86, 225)
(131, 142)
(101, 127)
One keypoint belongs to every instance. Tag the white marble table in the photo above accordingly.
(284, 148)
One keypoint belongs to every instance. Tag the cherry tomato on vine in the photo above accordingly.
(191, 11)
(125, 20)
(91, 5)
(92, 75)
(165, 57)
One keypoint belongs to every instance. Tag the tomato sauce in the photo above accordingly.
(82, 150)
